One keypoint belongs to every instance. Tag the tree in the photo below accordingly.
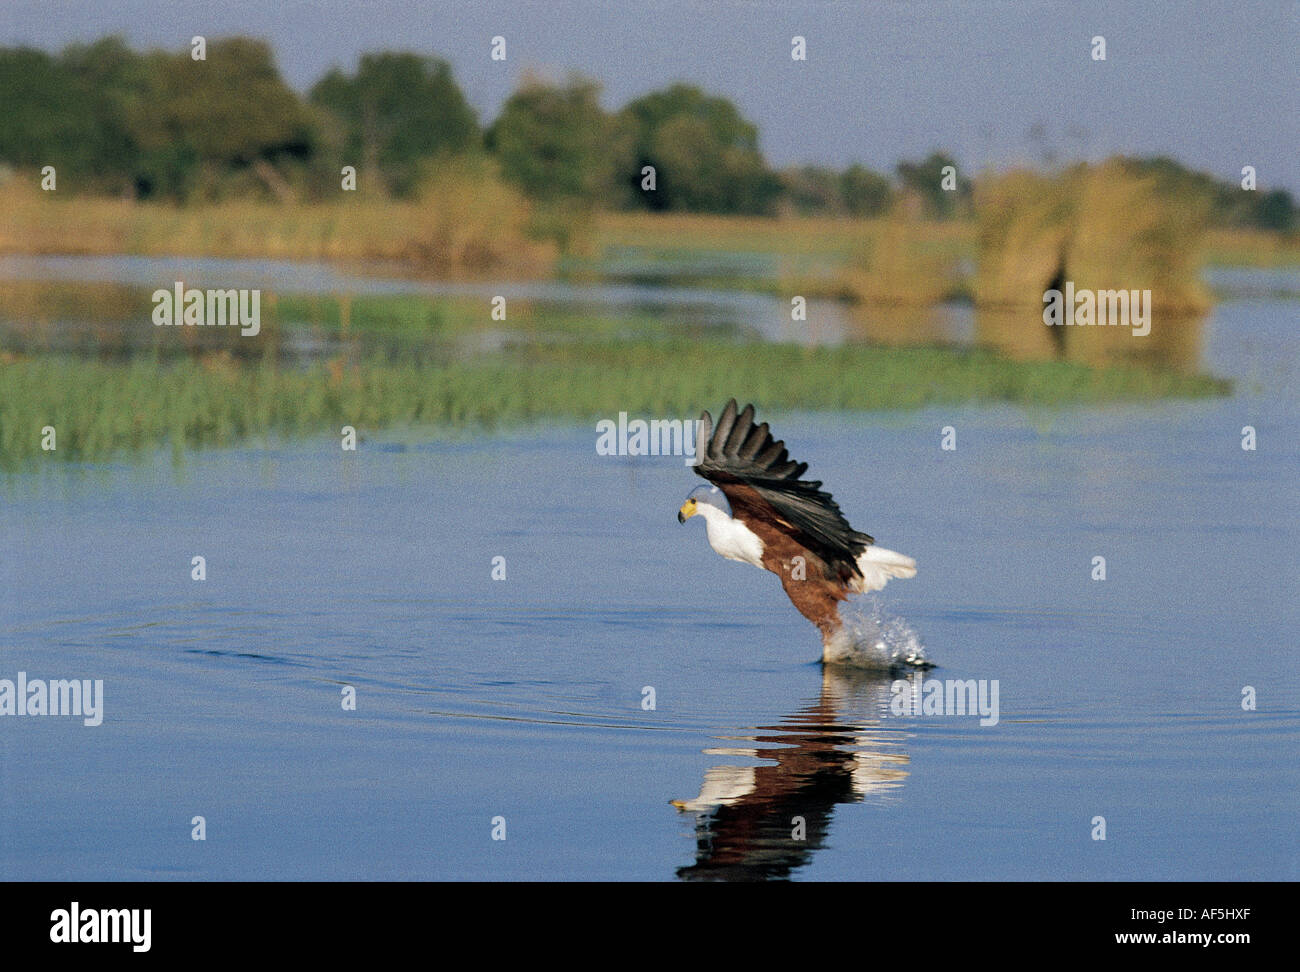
(396, 112)
(812, 190)
(865, 192)
(1275, 210)
(1230, 204)
(37, 96)
(82, 111)
(558, 144)
(111, 83)
(925, 180)
(705, 154)
(857, 191)
(230, 118)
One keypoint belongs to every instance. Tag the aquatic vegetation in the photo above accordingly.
(100, 407)
(465, 222)
(903, 262)
(1101, 227)
(502, 233)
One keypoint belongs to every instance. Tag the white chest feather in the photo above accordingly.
(733, 540)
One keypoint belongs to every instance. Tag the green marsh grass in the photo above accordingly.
(103, 408)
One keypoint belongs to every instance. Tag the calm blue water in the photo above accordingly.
(522, 698)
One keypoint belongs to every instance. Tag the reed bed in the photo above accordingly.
(101, 408)
(466, 222)
(1103, 227)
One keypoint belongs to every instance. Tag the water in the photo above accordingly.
(99, 306)
(523, 698)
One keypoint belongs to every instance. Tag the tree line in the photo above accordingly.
(161, 125)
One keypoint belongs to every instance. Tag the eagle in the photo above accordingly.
(759, 510)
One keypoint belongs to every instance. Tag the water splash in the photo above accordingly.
(872, 638)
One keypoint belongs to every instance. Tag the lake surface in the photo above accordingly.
(522, 698)
(97, 305)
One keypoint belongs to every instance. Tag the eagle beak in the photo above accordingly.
(686, 512)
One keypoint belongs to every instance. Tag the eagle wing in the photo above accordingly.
(737, 453)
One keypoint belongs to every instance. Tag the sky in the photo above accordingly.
(1210, 83)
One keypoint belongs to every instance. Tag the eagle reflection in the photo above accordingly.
(747, 825)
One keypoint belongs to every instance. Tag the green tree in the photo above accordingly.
(705, 154)
(1230, 204)
(1275, 210)
(38, 98)
(113, 83)
(558, 144)
(65, 111)
(812, 190)
(865, 192)
(925, 180)
(79, 111)
(395, 113)
(229, 121)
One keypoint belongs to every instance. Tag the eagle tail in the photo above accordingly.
(878, 565)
